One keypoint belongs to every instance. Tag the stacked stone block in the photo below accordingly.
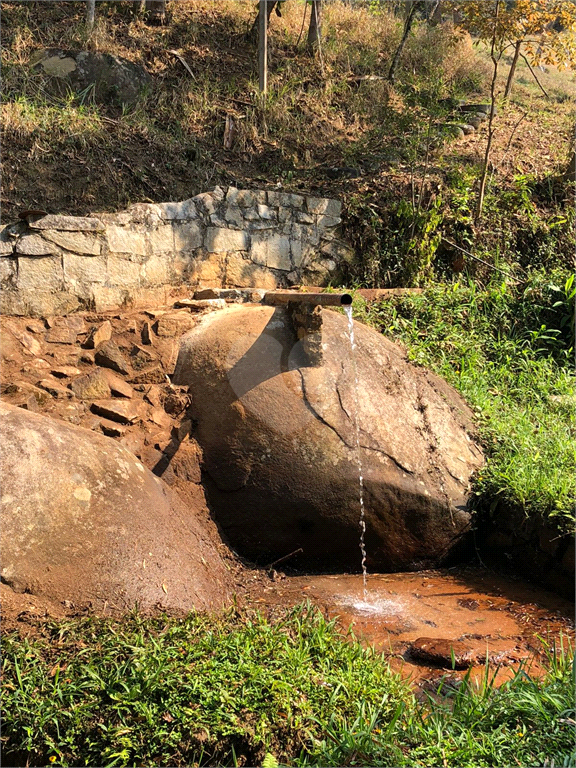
(53, 264)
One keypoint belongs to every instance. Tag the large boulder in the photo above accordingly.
(279, 443)
(83, 520)
(93, 75)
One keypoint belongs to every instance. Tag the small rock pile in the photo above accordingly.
(109, 373)
(466, 119)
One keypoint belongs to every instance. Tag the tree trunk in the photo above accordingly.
(315, 27)
(252, 35)
(155, 11)
(480, 202)
(90, 13)
(407, 27)
(263, 20)
(434, 12)
(512, 68)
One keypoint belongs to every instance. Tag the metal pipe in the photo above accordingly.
(276, 298)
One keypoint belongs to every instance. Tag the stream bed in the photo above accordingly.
(429, 622)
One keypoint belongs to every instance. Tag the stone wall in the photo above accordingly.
(53, 264)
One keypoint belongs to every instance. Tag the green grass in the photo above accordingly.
(508, 350)
(237, 689)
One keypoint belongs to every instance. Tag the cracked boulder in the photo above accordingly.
(84, 521)
(280, 452)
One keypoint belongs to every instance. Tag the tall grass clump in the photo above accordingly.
(220, 690)
(238, 689)
(508, 349)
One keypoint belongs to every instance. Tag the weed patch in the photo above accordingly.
(508, 350)
(237, 689)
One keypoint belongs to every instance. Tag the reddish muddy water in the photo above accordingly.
(427, 620)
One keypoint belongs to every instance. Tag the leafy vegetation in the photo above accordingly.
(508, 349)
(239, 689)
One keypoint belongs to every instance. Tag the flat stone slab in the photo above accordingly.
(34, 245)
(174, 323)
(55, 388)
(67, 223)
(108, 355)
(61, 334)
(98, 334)
(77, 242)
(91, 386)
(112, 428)
(65, 371)
(220, 239)
(25, 388)
(123, 411)
(118, 386)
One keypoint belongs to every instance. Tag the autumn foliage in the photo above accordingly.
(545, 28)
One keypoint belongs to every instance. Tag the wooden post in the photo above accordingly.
(263, 47)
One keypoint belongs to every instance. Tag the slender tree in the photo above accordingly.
(90, 13)
(271, 5)
(495, 55)
(315, 27)
(545, 29)
(155, 11)
(416, 6)
(512, 71)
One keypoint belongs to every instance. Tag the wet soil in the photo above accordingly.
(471, 614)
(433, 626)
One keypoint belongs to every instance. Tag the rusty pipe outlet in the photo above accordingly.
(304, 311)
(279, 298)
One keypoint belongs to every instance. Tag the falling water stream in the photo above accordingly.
(348, 310)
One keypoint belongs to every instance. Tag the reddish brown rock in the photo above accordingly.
(160, 417)
(75, 323)
(154, 396)
(112, 428)
(140, 357)
(186, 462)
(27, 390)
(55, 388)
(65, 371)
(176, 401)
(153, 375)
(35, 326)
(91, 525)
(61, 334)
(118, 386)
(146, 333)
(124, 411)
(109, 355)
(29, 343)
(174, 323)
(98, 334)
(279, 443)
(91, 386)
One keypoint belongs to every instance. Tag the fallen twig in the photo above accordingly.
(477, 258)
(281, 559)
(183, 62)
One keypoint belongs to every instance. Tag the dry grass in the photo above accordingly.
(310, 120)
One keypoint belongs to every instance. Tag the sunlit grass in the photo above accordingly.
(236, 689)
(509, 352)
